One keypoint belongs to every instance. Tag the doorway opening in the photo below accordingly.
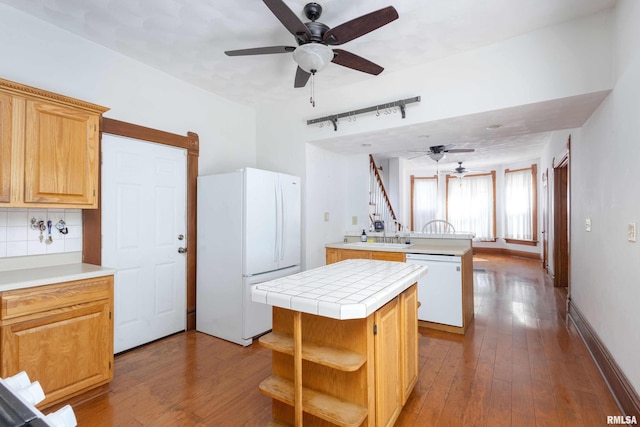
(561, 220)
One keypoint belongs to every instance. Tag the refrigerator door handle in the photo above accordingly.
(282, 222)
(276, 240)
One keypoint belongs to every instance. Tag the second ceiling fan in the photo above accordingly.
(437, 152)
(460, 171)
(315, 38)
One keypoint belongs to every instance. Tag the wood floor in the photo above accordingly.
(521, 363)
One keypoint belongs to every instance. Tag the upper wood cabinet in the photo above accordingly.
(50, 149)
(5, 147)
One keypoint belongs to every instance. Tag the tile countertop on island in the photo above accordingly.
(40, 276)
(351, 289)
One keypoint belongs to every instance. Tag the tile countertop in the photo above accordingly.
(455, 248)
(30, 277)
(351, 289)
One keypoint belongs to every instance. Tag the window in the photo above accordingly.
(520, 208)
(424, 201)
(471, 204)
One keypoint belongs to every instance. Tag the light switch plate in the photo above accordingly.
(354, 220)
(326, 216)
(587, 224)
(631, 232)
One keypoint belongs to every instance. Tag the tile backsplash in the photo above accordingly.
(18, 238)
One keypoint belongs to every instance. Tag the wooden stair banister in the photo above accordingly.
(382, 192)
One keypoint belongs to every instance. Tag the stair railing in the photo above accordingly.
(378, 198)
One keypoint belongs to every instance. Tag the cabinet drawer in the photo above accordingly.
(388, 256)
(39, 299)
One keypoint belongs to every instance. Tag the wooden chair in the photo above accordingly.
(438, 226)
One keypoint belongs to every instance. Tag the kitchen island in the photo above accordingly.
(446, 294)
(344, 341)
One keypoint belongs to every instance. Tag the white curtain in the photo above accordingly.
(425, 201)
(518, 205)
(470, 205)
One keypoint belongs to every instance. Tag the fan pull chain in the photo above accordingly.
(313, 92)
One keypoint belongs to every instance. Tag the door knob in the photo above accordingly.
(182, 250)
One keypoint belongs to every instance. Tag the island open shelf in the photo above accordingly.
(345, 370)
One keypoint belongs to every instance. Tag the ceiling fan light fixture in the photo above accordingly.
(437, 156)
(313, 57)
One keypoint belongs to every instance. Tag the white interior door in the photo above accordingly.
(143, 217)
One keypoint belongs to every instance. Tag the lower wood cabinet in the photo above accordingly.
(337, 255)
(409, 340)
(356, 372)
(388, 364)
(61, 335)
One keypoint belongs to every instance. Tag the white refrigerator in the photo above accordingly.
(248, 233)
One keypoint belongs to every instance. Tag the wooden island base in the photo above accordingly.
(356, 372)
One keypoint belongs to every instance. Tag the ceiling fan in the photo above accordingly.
(437, 152)
(314, 38)
(460, 171)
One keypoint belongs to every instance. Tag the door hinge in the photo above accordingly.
(375, 329)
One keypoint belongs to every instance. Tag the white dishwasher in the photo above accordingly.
(440, 290)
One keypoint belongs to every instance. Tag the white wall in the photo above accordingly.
(555, 62)
(326, 193)
(38, 54)
(604, 174)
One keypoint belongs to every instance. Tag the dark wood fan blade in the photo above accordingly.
(260, 50)
(360, 26)
(460, 150)
(351, 60)
(289, 19)
(302, 77)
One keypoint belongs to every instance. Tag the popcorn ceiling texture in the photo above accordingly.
(187, 38)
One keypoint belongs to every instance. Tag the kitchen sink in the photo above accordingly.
(378, 245)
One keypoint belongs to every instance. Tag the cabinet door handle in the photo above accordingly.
(182, 250)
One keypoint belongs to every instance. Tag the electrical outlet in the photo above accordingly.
(587, 224)
(631, 232)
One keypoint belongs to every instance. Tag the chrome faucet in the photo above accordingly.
(391, 221)
(384, 232)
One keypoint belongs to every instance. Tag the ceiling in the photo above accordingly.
(187, 39)
(523, 132)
